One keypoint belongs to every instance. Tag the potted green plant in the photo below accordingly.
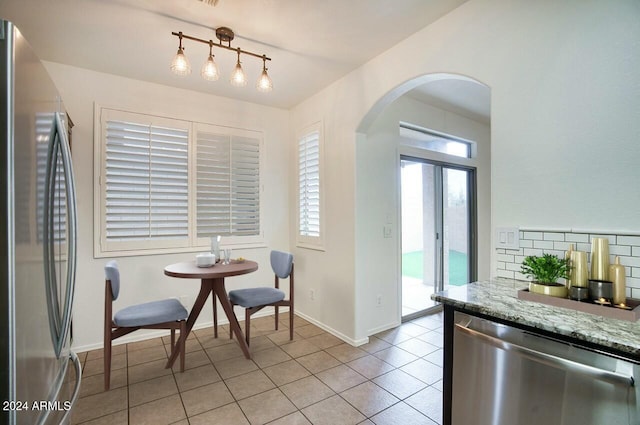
(545, 272)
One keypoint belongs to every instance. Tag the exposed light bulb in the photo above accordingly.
(210, 70)
(238, 78)
(180, 64)
(264, 83)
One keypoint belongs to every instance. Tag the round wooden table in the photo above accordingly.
(211, 282)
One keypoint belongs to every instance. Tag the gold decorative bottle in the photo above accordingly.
(600, 259)
(617, 276)
(567, 256)
(579, 270)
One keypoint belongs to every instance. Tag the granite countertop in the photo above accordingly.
(498, 298)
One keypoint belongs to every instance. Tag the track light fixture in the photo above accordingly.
(210, 72)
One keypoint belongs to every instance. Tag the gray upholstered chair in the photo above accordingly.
(255, 299)
(164, 314)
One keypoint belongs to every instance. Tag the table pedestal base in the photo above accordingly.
(216, 288)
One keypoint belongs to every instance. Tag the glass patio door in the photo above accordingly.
(438, 216)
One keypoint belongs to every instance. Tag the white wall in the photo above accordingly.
(564, 125)
(377, 202)
(564, 135)
(142, 277)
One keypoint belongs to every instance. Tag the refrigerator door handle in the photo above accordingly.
(549, 359)
(44, 418)
(59, 144)
(76, 390)
(72, 224)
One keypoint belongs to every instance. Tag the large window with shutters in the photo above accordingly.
(310, 199)
(168, 185)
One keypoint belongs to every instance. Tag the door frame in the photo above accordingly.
(472, 247)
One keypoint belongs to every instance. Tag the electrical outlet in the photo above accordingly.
(312, 294)
(379, 300)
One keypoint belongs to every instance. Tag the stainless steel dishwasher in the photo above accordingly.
(506, 376)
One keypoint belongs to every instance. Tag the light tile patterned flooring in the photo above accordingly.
(315, 379)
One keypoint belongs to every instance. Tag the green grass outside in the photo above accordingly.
(412, 266)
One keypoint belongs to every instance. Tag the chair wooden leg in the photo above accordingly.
(231, 330)
(107, 362)
(215, 317)
(277, 317)
(182, 341)
(173, 339)
(291, 322)
(247, 324)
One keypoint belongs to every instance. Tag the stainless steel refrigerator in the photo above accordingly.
(40, 374)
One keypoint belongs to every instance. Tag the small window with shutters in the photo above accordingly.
(168, 185)
(310, 232)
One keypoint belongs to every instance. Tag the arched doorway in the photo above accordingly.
(435, 103)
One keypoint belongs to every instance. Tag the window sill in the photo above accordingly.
(310, 246)
(163, 251)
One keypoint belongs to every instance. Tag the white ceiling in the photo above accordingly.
(312, 43)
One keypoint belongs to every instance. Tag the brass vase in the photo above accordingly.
(600, 258)
(552, 289)
(567, 256)
(579, 270)
(617, 276)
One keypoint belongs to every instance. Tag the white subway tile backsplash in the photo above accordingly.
(538, 236)
(556, 242)
(584, 247)
(563, 246)
(505, 257)
(526, 243)
(628, 292)
(577, 237)
(633, 282)
(543, 244)
(505, 273)
(530, 251)
(620, 250)
(629, 240)
(553, 236)
(630, 261)
(513, 267)
(559, 254)
(612, 238)
(519, 276)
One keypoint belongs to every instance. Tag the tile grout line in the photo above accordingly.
(260, 332)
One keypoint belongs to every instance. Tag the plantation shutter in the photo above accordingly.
(146, 178)
(228, 185)
(309, 184)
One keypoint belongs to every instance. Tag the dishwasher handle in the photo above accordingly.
(550, 360)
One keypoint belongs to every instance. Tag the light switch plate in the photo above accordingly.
(508, 237)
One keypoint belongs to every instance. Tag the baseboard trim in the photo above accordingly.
(383, 328)
(351, 341)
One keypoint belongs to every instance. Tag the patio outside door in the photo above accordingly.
(438, 228)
